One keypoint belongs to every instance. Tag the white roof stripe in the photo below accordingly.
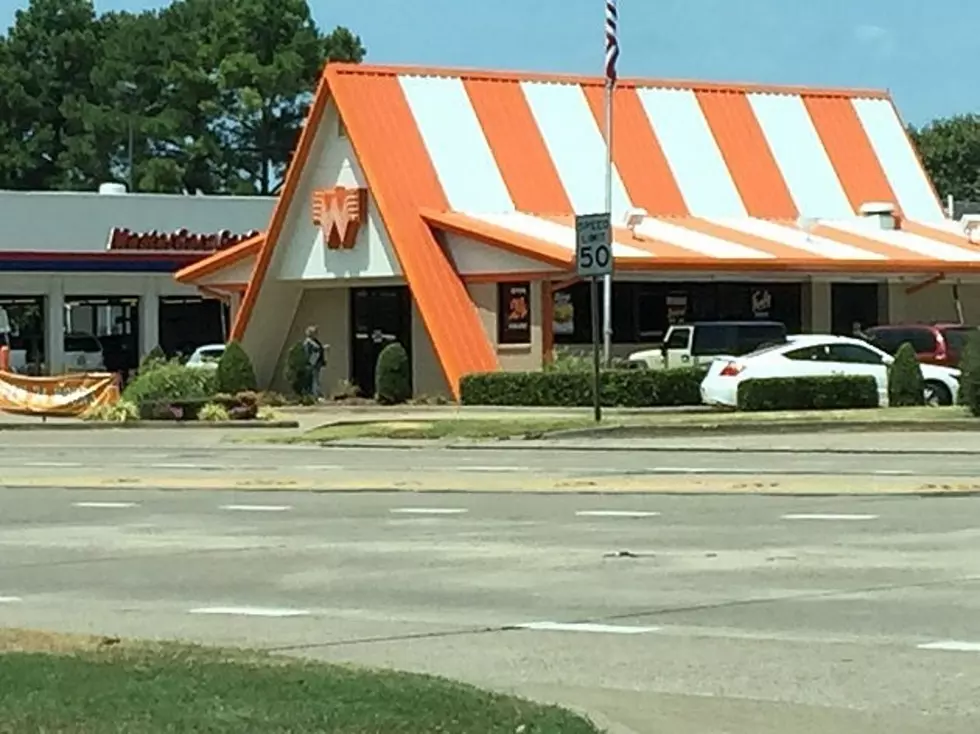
(577, 147)
(907, 241)
(800, 155)
(897, 157)
(792, 237)
(692, 152)
(702, 244)
(456, 143)
(548, 231)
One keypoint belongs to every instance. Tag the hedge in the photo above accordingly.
(618, 388)
(832, 392)
(969, 394)
(243, 406)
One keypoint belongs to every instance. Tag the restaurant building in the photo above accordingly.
(436, 207)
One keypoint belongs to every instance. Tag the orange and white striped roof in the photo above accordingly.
(504, 143)
(694, 243)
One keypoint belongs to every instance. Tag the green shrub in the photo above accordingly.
(154, 357)
(970, 374)
(119, 412)
(168, 381)
(831, 392)
(905, 385)
(299, 374)
(619, 388)
(234, 373)
(213, 413)
(563, 362)
(393, 375)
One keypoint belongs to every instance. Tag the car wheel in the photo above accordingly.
(937, 394)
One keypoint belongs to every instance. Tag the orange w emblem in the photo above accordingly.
(339, 212)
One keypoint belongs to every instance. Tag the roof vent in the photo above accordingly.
(112, 189)
(883, 213)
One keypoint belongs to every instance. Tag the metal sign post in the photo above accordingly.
(594, 260)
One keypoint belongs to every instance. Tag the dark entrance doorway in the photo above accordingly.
(379, 316)
(850, 303)
(189, 322)
(113, 320)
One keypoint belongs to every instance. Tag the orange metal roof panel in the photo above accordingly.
(220, 260)
(398, 169)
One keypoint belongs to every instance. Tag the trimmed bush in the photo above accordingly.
(832, 392)
(906, 387)
(169, 381)
(970, 374)
(618, 388)
(235, 373)
(299, 374)
(154, 357)
(213, 413)
(393, 375)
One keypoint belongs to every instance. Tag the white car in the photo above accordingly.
(816, 355)
(206, 357)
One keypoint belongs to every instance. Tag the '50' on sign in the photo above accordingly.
(593, 245)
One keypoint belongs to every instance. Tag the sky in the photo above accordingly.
(922, 52)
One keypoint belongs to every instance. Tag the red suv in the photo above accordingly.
(933, 343)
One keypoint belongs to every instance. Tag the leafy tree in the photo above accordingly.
(905, 385)
(299, 374)
(393, 376)
(950, 151)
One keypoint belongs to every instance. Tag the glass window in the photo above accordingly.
(753, 337)
(956, 338)
(805, 354)
(715, 339)
(853, 354)
(889, 340)
(82, 343)
(679, 339)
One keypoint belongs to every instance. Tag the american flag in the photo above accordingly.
(612, 41)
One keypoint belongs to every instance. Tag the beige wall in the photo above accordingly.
(328, 310)
(933, 303)
(512, 357)
(428, 379)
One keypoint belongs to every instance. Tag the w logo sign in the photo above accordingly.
(339, 212)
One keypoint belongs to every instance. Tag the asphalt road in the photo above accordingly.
(681, 614)
(174, 456)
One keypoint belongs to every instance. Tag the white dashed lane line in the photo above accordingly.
(608, 629)
(251, 611)
(104, 505)
(52, 464)
(952, 646)
(10, 599)
(200, 467)
(828, 516)
(257, 508)
(428, 511)
(616, 513)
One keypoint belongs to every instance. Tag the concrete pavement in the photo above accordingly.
(659, 613)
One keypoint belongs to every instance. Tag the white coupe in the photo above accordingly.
(813, 355)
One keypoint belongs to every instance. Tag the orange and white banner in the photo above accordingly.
(61, 395)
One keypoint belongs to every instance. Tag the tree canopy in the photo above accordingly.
(214, 92)
(950, 151)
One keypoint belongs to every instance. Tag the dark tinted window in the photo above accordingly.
(807, 354)
(853, 354)
(922, 340)
(679, 339)
(81, 343)
(735, 339)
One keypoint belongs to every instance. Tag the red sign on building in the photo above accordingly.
(181, 240)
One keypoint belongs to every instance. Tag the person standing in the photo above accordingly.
(316, 357)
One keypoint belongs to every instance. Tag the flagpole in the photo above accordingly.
(607, 281)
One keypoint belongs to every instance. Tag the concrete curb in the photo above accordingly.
(766, 428)
(109, 425)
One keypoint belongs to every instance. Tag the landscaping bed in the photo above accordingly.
(56, 683)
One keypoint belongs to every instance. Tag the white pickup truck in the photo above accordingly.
(700, 343)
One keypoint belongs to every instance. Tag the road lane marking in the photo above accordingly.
(186, 466)
(321, 467)
(10, 599)
(494, 468)
(828, 516)
(610, 629)
(952, 646)
(104, 505)
(893, 472)
(257, 508)
(616, 513)
(251, 611)
(428, 511)
(53, 464)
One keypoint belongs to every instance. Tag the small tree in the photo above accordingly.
(393, 376)
(970, 374)
(235, 373)
(154, 357)
(905, 384)
(299, 374)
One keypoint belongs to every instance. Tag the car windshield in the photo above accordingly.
(956, 338)
(211, 355)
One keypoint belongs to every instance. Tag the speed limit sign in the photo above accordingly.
(593, 245)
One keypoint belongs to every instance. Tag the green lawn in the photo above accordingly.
(529, 426)
(58, 685)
